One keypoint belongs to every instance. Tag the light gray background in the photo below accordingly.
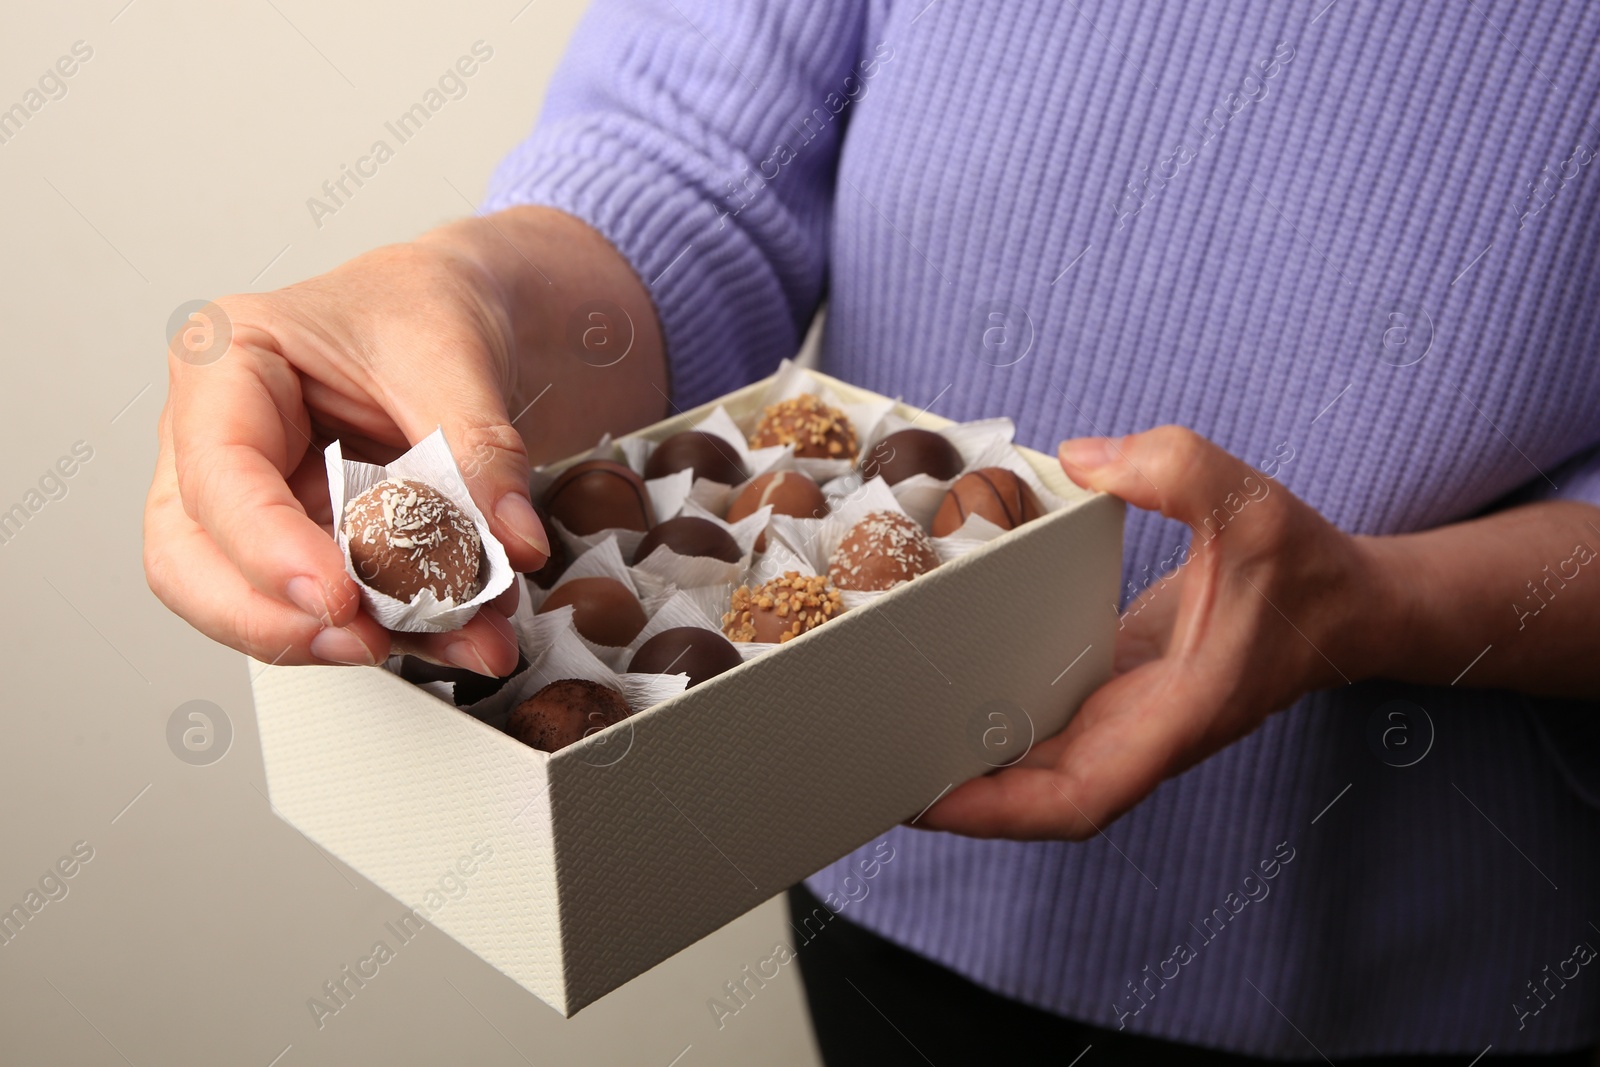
(178, 167)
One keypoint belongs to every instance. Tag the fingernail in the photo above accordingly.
(340, 645)
(306, 594)
(516, 513)
(1086, 453)
(464, 654)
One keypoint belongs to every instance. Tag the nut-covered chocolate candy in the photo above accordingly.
(603, 609)
(406, 537)
(815, 429)
(907, 452)
(565, 712)
(789, 493)
(783, 608)
(556, 565)
(708, 455)
(598, 494)
(470, 686)
(690, 535)
(992, 492)
(691, 650)
(881, 551)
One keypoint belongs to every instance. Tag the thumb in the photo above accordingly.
(492, 457)
(1169, 469)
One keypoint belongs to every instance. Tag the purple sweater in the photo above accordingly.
(1354, 245)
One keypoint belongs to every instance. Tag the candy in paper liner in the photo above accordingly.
(793, 380)
(807, 545)
(605, 561)
(979, 443)
(428, 461)
(666, 497)
(711, 495)
(694, 571)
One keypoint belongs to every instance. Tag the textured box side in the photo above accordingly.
(740, 788)
(402, 787)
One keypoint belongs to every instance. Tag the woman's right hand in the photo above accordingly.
(376, 354)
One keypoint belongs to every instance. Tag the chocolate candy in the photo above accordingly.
(992, 492)
(781, 609)
(691, 650)
(907, 452)
(689, 535)
(815, 429)
(471, 686)
(556, 565)
(598, 494)
(708, 455)
(604, 610)
(565, 712)
(789, 493)
(881, 551)
(406, 537)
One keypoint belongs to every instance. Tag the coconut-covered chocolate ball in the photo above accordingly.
(690, 535)
(706, 454)
(604, 610)
(781, 609)
(907, 452)
(815, 429)
(598, 494)
(406, 537)
(992, 492)
(565, 712)
(691, 650)
(881, 551)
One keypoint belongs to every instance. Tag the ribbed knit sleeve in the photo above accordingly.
(701, 139)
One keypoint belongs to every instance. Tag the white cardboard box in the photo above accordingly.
(610, 856)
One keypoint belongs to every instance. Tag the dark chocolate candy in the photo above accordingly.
(565, 712)
(691, 650)
(689, 535)
(708, 455)
(907, 452)
(598, 494)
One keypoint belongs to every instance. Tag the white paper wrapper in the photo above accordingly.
(605, 561)
(428, 461)
(694, 571)
(792, 380)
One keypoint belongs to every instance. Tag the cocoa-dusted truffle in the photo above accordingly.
(556, 565)
(789, 493)
(706, 454)
(782, 608)
(598, 494)
(881, 551)
(604, 610)
(907, 452)
(470, 686)
(406, 537)
(815, 429)
(566, 712)
(992, 492)
(691, 650)
(690, 535)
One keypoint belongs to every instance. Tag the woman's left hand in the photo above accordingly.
(1271, 602)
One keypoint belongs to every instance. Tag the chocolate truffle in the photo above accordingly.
(881, 551)
(782, 608)
(566, 712)
(689, 535)
(556, 565)
(406, 537)
(907, 452)
(706, 454)
(815, 429)
(691, 650)
(604, 610)
(598, 494)
(789, 493)
(992, 492)
(471, 686)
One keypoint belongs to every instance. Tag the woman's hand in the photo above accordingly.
(439, 333)
(1270, 603)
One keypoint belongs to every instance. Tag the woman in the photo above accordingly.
(1349, 251)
